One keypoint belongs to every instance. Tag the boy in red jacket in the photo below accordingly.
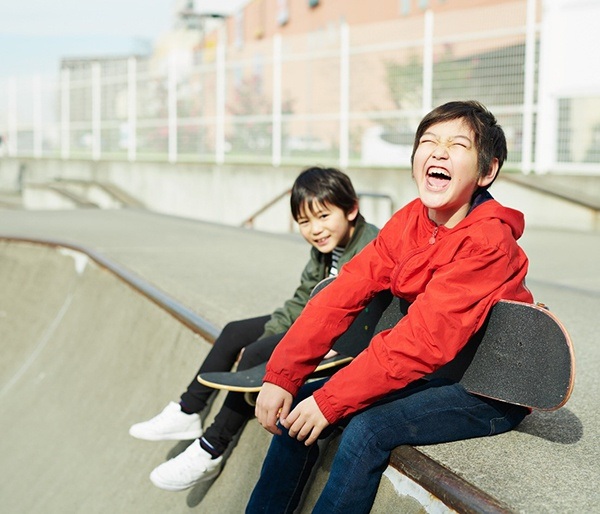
(452, 253)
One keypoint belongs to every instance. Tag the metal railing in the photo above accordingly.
(378, 197)
(350, 96)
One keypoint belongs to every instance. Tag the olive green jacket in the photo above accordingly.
(316, 270)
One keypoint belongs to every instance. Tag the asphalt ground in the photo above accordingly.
(550, 464)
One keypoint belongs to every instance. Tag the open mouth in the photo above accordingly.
(438, 178)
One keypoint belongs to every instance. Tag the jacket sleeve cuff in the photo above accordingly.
(278, 380)
(325, 407)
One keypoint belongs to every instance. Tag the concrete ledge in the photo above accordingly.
(444, 484)
(583, 191)
(200, 190)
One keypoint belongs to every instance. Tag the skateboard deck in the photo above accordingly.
(522, 355)
(250, 380)
(348, 346)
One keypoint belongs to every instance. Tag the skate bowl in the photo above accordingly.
(82, 354)
(86, 353)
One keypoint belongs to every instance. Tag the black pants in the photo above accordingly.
(235, 410)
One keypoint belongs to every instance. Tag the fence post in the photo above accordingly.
(529, 85)
(427, 92)
(547, 102)
(96, 112)
(172, 109)
(12, 146)
(277, 132)
(131, 109)
(37, 116)
(65, 113)
(344, 94)
(220, 100)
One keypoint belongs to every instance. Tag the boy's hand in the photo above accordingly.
(306, 421)
(273, 403)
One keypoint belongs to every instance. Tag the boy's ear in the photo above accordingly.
(488, 178)
(351, 216)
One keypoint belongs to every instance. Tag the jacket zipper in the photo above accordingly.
(416, 251)
(433, 236)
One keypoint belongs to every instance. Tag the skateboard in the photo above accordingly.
(250, 380)
(349, 345)
(522, 355)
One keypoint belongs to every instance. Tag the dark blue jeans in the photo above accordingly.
(423, 413)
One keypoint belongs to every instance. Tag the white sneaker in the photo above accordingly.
(187, 469)
(170, 425)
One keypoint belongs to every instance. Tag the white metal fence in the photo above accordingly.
(344, 95)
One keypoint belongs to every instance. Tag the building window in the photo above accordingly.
(313, 3)
(423, 4)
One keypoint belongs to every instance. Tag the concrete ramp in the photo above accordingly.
(85, 355)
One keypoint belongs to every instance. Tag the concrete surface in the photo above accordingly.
(81, 354)
(83, 357)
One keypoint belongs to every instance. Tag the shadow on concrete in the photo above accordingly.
(561, 426)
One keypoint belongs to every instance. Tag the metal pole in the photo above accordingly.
(96, 112)
(131, 109)
(547, 108)
(172, 109)
(344, 94)
(220, 100)
(529, 85)
(65, 114)
(37, 116)
(427, 92)
(277, 115)
(12, 146)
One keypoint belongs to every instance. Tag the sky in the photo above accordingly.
(35, 34)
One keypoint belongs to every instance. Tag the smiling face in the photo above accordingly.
(445, 169)
(326, 226)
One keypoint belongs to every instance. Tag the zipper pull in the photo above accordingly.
(433, 236)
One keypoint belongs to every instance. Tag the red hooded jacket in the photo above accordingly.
(452, 277)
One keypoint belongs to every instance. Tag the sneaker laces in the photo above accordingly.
(162, 416)
(191, 461)
(156, 419)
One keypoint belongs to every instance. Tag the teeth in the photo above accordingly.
(438, 172)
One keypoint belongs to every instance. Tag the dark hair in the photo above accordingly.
(322, 185)
(490, 141)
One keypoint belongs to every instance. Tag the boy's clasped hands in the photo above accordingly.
(305, 422)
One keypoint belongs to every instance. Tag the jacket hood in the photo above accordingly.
(485, 207)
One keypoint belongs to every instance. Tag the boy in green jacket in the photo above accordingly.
(325, 206)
